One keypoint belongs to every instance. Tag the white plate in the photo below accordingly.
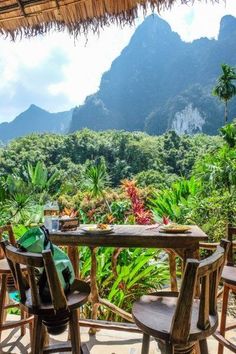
(93, 230)
(175, 229)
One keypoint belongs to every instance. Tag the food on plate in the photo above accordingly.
(175, 228)
(103, 226)
(99, 228)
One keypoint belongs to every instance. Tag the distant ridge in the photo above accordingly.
(160, 82)
(35, 119)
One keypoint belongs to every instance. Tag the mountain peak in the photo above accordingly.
(227, 27)
(35, 120)
(156, 20)
(153, 27)
(33, 107)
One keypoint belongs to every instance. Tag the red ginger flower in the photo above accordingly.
(142, 216)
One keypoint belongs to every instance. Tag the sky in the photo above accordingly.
(57, 72)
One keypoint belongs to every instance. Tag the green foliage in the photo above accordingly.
(16, 198)
(218, 171)
(228, 133)
(156, 179)
(189, 179)
(78, 166)
(96, 179)
(22, 195)
(208, 197)
(176, 201)
(124, 154)
(212, 212)
(119, 210)
(38, 177)
(142, 272)
(225, 88)
(138, 271)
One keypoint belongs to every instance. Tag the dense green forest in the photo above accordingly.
(122, 177)
(157, 160)
(84, 169)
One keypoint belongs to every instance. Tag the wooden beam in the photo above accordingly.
(15, 6)
(21, 7)
(57, 3)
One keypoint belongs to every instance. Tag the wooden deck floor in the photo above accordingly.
(105, 342)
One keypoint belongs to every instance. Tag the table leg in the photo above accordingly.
(172, 264)
(186, 253)
(114, 257)
(73, 253)
(94, 296)
(194, 252)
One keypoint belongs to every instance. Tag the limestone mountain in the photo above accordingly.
(35, 120)
(160, 82)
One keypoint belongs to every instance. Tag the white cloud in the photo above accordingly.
(88, 60)
(57, 72)
(80, 73)
(200, 20)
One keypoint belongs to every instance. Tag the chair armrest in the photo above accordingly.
(213, 245)
(209, 245)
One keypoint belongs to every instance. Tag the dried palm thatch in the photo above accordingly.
(32, 17)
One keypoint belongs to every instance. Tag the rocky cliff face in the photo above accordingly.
(160, 82)
(189, 120)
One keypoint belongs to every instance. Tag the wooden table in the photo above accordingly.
(185, 245)
(127, 236)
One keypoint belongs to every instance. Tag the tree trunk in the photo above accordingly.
(226, 111)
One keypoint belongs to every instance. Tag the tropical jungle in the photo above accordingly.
(120, 177)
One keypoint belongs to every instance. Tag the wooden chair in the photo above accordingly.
(57, 313)
(179, 322)
(7, 282)
(229, 284)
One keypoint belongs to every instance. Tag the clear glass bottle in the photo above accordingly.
(47, 216)
(51, 216)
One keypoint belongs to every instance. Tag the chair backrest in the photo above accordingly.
(231, 231)
(206, 275)
(32, 261)
(6, 229)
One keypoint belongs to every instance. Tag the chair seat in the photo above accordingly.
(76, 298)
(229, 275)
(153, 315)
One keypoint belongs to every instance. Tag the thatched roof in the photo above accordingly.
(32, 17)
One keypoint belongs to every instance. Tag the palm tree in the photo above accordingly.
(96, 180)
(225, 89)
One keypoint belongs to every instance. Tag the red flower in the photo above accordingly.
(142, 216)
(165, 220)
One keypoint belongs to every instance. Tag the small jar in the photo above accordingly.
(51, 216)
